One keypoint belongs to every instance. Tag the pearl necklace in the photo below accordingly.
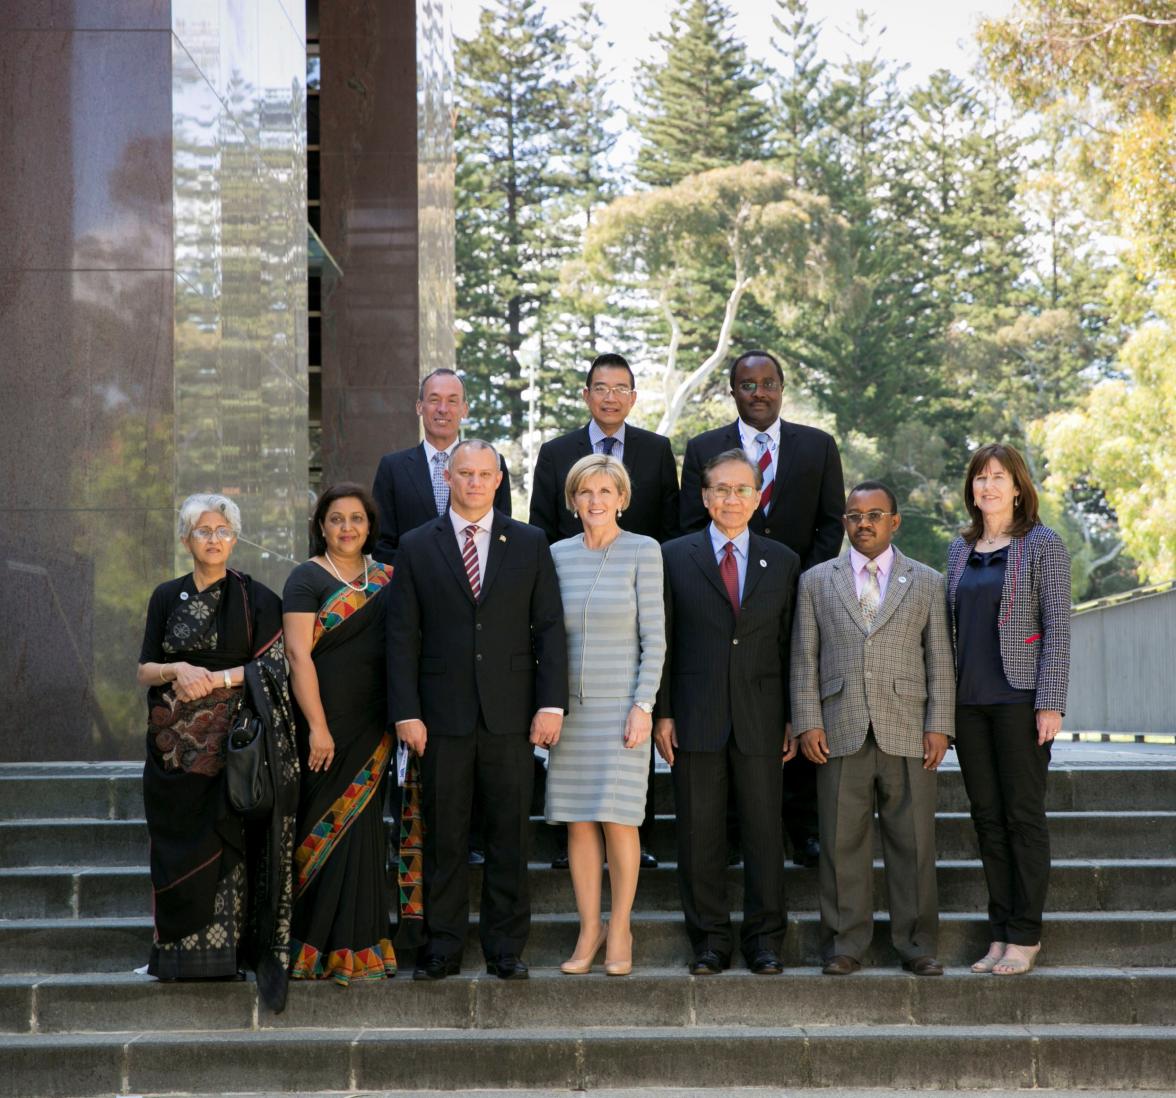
(348, 583)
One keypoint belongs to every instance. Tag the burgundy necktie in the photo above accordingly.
(469, 557)
(729, 570)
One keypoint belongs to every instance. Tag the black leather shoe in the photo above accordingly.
(648, 861)
(765, 963)
(507, 967)
(923, 966)
(477, 858)
(707, 963)
(841, 965)
(436, 968)
(734, 857)
(560, 861)
(807, 854)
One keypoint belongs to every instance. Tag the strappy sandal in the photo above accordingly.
(992, 958)
(1017, 964)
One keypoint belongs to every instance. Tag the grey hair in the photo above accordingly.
(474, 444)
(735, 457)
(195, 506)
(441, 371)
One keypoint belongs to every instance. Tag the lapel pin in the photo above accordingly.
(502, 537)
(902, 579)
(183, 596)
(763, 563)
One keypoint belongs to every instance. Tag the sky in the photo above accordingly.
(924, 34)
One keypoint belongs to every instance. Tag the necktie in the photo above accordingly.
(440, 488)
(765, 466)
(729, 571)
(469, 557)
(871, 596)
(606, 445)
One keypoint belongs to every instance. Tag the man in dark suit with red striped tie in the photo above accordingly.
(801, 505)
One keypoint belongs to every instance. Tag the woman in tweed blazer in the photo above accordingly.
(1008, 589)
(614, 614)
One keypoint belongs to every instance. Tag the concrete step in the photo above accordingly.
(1124, 938)
(114, 790)
(692, 1092)
(350, 1059)
(651, 997)
(62, 892)
(103, 842)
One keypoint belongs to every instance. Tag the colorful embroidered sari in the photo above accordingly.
(340, 924)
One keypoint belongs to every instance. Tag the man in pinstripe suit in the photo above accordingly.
(722, 714)
(873, 704)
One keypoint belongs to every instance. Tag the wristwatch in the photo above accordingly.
(228, 680)
(645, 707)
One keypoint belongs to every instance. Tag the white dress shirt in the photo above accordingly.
(858, 562)
(751, 448)
(481, 538)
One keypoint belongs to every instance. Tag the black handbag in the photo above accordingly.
(249, 783)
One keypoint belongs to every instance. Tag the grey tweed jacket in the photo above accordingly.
(1034, 621)
(898, 676)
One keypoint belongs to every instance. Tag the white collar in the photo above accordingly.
(747, 432)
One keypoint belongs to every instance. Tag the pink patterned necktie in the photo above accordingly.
(469, 557)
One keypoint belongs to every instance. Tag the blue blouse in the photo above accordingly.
(980, 677)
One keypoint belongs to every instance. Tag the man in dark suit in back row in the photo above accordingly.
(477, 674)
(410, 487)
(610, 393)
(801, 504)
(721, 718)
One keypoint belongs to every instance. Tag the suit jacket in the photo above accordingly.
(725, 676)
(450, 656)
(1034, 622)
(653, 510)
(807, 501)
(898, 676)
(403, 491)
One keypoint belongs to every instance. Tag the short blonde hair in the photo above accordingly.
(590, 466)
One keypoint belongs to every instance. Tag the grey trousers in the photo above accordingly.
(848, 789)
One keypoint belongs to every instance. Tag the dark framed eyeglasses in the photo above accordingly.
(769, 386)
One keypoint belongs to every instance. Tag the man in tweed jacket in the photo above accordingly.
(873, 699)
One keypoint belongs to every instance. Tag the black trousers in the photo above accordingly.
(498, 771)
(700, 792)
(1004, 773)
(799, 802)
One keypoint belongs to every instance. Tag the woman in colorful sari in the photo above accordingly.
(222, 886)
(333, 611)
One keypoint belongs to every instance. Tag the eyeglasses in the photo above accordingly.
(602, 390)
(727, 491)
(206, 533)
(769, 386)
(855, 518)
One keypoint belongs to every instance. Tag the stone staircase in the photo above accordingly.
(1099, 1013)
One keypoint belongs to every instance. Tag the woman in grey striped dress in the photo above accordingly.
(598, 772)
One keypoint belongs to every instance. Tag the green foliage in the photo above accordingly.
(699, 109)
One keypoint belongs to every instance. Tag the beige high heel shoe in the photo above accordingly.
(620, 967)
(579, 966)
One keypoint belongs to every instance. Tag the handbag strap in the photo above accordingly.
(248, 609)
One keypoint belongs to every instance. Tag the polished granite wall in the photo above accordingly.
(387, 221)
(152, 304)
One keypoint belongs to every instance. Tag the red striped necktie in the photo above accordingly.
(765, 468)
(729, 572)
(469, 557)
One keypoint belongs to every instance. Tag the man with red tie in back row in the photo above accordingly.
(801, 504)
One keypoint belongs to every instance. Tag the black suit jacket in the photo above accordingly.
(724, 676)
(403, 491)
(449, 656)
(653, 510)
(807, 501)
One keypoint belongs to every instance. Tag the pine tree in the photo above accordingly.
(699, 109)
(799, 87)
(511, 101)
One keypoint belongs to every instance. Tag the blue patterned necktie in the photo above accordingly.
(440, 488)
(606, 445)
